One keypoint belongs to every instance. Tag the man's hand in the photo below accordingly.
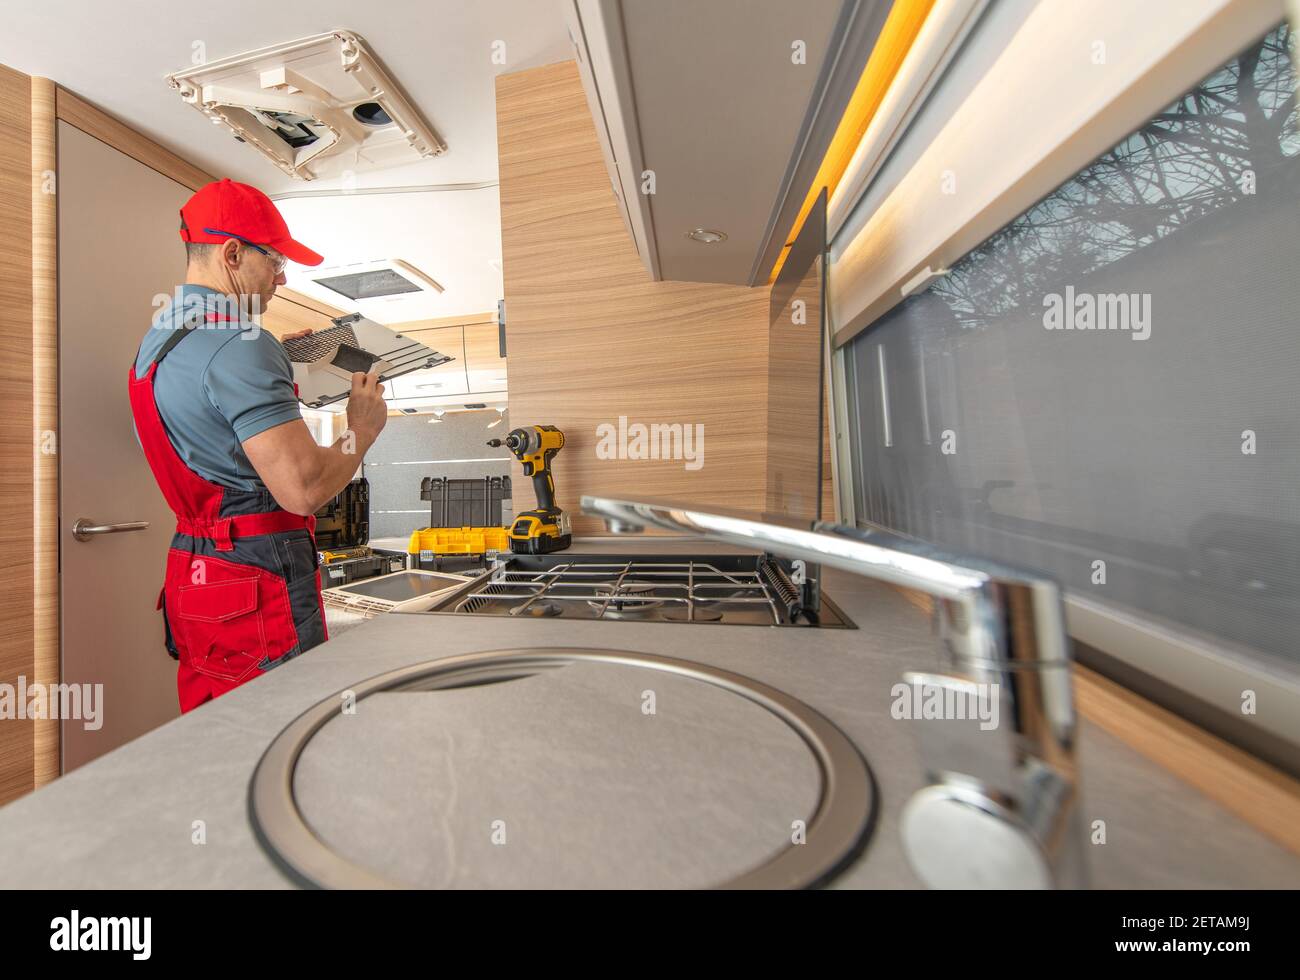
(303, 476)
(367, 412)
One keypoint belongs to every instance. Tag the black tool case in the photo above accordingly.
(344, 522)
(342, 536)
(474, 502)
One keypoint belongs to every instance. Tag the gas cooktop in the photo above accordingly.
(734, 590)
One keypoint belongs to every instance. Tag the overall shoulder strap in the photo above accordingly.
(189, 324)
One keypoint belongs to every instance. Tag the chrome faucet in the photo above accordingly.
(1002, 807)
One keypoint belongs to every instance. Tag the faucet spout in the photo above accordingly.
(1002, 808)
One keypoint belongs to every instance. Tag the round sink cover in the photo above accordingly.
(562, 769)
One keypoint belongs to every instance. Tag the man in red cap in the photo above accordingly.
(217, 415)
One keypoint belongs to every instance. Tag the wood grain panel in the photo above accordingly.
(283, 315)
(17, 499)
(483, 361)
(794, 430)
(1262, 796)
(45, 422)
(407, 326)
(310, 303)
(1259, 794)
(109, 129)
(590, 338)
(290, 311)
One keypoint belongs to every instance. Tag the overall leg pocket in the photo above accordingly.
(230, 618)
(222, 626)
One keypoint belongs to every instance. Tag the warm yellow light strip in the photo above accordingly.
(896, 38)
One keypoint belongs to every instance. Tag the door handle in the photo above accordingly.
(84, 529)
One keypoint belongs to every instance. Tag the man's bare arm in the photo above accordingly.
(302, 476)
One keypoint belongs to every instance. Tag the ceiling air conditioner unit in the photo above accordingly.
(379, 279)
(317, 107)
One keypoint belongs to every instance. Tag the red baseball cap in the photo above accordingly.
(225, 209)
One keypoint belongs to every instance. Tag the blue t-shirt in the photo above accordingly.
(224, 384)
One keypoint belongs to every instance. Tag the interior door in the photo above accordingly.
(118, 249)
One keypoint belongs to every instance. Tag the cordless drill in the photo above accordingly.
(546, 529)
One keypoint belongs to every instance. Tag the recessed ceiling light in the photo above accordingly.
(707, 236)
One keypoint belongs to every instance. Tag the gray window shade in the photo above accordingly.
(1069, 447)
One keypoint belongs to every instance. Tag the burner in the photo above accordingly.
(538, 610)
(677, 614)
(633, 601)
(710, 599)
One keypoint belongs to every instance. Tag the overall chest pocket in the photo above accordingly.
(231, 620)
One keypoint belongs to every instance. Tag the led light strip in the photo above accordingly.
(896, 39)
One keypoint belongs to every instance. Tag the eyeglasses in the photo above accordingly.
(278, 261)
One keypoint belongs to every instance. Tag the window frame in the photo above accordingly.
(1199, 679)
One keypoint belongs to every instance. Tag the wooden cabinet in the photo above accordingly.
(484, 365)
(597, 348)
(477, 367)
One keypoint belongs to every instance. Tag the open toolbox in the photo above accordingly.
(342, 536)
(473, 502)
(465, 522)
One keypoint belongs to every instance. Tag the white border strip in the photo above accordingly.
(945, 27)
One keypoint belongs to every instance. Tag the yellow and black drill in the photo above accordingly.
(536, 532)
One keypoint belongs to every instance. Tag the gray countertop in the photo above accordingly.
(169, 809)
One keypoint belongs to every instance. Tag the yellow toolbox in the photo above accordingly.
(458, 541)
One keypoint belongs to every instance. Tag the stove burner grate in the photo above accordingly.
(691, 591)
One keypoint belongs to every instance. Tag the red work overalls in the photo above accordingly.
(242, 590)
